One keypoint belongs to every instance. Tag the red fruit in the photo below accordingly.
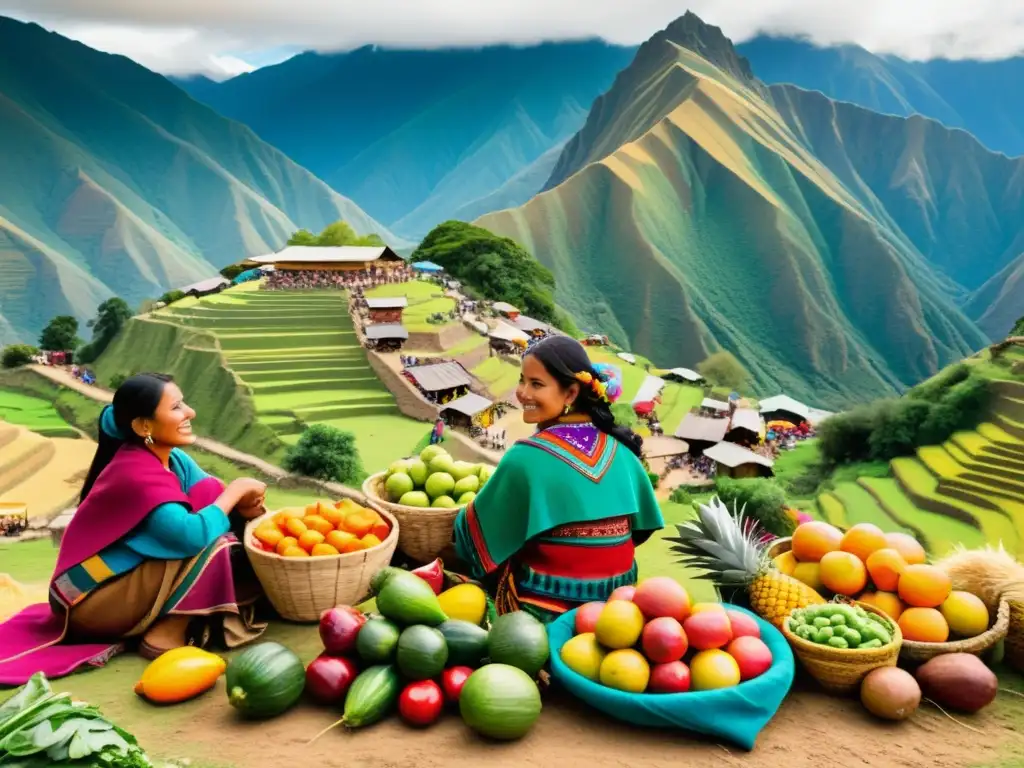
(421, 703)
(586, 617)
(328, 678)
(663, 640)
(752, 655)
(673, 677)
(743, 625)
(708, 629)
(662, 596)
(433, 574)
(622, 593)
(339, 627)
(452, 680)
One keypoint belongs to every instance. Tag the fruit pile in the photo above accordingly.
(648, 639)
(889, 572)
(321, 528)
(426, 649)
(434, 479)
(840, 626)
(957, 681)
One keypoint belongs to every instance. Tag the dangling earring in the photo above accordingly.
(148, 440)
(568, 409)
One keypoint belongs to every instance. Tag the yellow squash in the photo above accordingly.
(464, 601)
(179, 675)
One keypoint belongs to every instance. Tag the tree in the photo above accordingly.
(325, 453)
(231, 271)
(60, 334)
(722, 369)
(172, 296)
(336, 234)
(302, 237)
(17, 355)
(765, 501)
(111, 316)
(1018, 328)
(624, 415)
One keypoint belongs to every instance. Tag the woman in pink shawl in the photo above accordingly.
(149, 556)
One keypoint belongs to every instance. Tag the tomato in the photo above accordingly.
(329, 677)
(421, 703)
(452, 680)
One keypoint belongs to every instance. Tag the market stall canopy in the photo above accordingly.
(787, 404)
(714, 405)
(505, 308)
(649, 389)
(386, 331)
(427, 266)
(627, 357)
(685, 374)
(395, 302)
(660, 446)
(506, 332)
(732, 456)
(206, 286)
(747, 418)
(529, 325)
(703, 429)
(468, 405)
(439, 376)
(339, 254)
(644, 408)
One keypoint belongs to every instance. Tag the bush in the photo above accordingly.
(765, 501)
(17, 355)
(897, 428)
(846, 436)
(653, 477)
(936, 387)
(325, 453)
(231, 271)
(681, 495)
(117, 380)
(172, 296)
(624, 415)
(722, 369)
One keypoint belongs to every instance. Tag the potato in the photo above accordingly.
(959, 681)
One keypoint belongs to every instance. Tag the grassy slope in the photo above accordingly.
(424, 299)
(669, 158)
(34, 413)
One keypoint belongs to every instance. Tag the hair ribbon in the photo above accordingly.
(107, 424)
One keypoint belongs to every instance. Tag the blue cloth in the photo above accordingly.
(107, 423)
(427, 266)
(737, 714)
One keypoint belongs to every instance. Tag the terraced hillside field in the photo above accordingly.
(45, 473)
(969, 490)
(34, 413)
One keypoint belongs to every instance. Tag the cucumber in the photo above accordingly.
(373, 695)
(422, 652)
(467, 643)
(377, 641)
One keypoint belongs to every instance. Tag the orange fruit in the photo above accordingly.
(809, 574)
(323, 549)
(295, 552)
(360, 522)
(814, 540)
(785, 562)
(286, 543)
(380, 529)
(885, 566)
(843, 572)
(333, 515)
(863, 539)
(888, 603)
(909, 547)
(269, 535)
(317, 523)
(310, 539)
(924, 586)
(295, 527)
(370, 540)
(925, 625)
(343, 541)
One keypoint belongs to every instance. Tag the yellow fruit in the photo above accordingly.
(923, 625)
(583, 655)
(310, 539)
(965, 613)
(812, 541)
(809, 574)
(888, 603)
(268, 534)
(701, 607)
(843, 572)
(885, 566)
(924, 586)
(619, 625)
(180, 674)
(713, 669)
(343, 541)
(908, 547)
(862, 540)
(318, 523)
(286, 543)
(320, 550)
(464, 601)
(785, 562)
(294, 552)
(625, 670)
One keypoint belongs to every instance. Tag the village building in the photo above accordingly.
(683, 376)
(711, 407)
(440, 382)
(701, 432)
(505, 309)
(745, 427)
(206, 287)
(386, 337)
(658, 450)
(785, 408)
(386, 310)
(732, 460)
(504, 339)
(469, 410)
(345, 258)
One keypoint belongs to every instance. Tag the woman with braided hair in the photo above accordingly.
(558, 522)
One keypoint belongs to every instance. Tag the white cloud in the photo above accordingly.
(225, 36)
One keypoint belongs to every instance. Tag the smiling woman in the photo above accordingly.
(149, 556)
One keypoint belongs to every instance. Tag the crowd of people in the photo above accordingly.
(12, 525)
(360, 279)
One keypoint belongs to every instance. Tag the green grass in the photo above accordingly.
(33, 413)
(30, 562)
(456, 350)
(424, 299)
(498, 374)
(862, 507)
(676, 402)
(654, 557)
(832, 510)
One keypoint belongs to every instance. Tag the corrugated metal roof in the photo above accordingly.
(395, 302)
(702, 428)
(386, 331)
(717, 405)
(649, 389)
(658, 446)
(506, 332)
(747, 418)
(528, 324)
(470, 404)
(732, 455)
(433, 378)
(786, 403)
(686, 374)
(340, 254)
(204, 286)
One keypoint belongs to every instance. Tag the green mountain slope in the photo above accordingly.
(690, 213)
(114, 181)
(999, 303)
(412, 136)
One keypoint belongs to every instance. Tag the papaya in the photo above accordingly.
(407, 599)
(179, 675)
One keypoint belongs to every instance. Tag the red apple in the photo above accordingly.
(586, 617)
(673, 677)
(743, 625)
(752, 655)
(452, 680)
(328, 678)
(663, 640)
(622, 593)
(421, 703)
(707, 630)
(339, 627)
(662, 596)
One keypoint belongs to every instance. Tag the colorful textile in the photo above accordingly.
(126, 492)
(556, 525)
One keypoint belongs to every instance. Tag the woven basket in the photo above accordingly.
(841, 670)
(425, 531)
(301, 588)
(1015, 635)
(918, 652)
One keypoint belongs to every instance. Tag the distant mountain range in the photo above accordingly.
(417, 137)
(828, 246)
(114, 181)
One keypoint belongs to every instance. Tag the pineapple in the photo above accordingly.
(720, 544)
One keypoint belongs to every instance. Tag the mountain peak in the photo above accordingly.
(690, 31)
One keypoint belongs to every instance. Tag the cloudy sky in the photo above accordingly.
(223, 37)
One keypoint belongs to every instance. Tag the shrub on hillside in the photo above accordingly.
(1018, 328)
(681, 495)
(846, 436)
(935, 387)
(764, 499)
(231, 271)
(172, 296)
(16, 355)
(111, 316)
(722, 369)
(897, 427)
(325, 453)
(624, 415)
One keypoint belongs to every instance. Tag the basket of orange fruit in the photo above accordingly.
(891, 572)
(312, 558)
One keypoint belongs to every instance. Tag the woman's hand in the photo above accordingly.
(245, 494)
